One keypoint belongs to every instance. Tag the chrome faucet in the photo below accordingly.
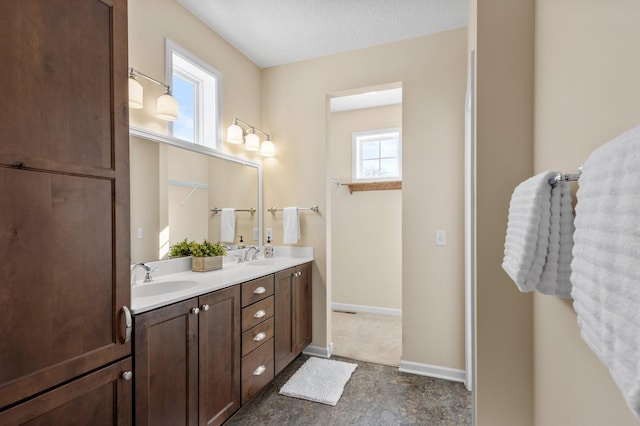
(147, 278)
(255, 254)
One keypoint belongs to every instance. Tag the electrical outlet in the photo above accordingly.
(255, 234)
(139, 232)
(270, 233)
(441, 237)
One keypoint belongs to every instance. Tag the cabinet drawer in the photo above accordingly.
(256, 336)
(256, 313)
(257, 370)
(255, 290)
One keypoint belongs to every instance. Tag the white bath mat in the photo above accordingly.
(319, 380)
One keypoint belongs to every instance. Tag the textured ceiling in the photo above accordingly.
(283, 31)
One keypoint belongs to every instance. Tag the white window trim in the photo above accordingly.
(172, 48)
(356, 155)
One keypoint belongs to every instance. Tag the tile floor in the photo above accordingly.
(376, 395)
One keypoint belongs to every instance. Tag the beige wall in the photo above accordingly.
(145, 197)
(432, 72)
(587, 92)
(150, 22)
(504, 143)
(364, 222)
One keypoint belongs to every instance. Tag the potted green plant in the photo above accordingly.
(180, 249)
(205, 256)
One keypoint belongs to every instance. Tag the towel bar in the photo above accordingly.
(216, 210)
(312, 208)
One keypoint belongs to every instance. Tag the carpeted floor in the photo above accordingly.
(367, 337)
(376, 395)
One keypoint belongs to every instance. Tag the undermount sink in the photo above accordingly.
(261, 262)
(156, 289)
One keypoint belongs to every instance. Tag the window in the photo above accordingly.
(377, 155)
(197, 87)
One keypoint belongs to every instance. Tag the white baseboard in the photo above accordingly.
(366, 309)
(319, 351)
(436, 371)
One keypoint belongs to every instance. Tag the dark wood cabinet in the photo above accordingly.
(187, 361)
(292, 314)
(100, 398)
(166, 365)
(64, 180)
(219, 355)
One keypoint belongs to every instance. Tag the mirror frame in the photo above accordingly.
(178, 143)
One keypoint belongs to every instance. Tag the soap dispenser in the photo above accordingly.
(268, 248)
(241, 243)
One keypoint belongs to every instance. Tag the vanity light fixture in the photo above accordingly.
(166, 107)
(235, 135)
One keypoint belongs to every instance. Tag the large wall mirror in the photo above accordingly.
(175, 185)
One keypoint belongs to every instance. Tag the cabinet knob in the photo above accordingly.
(259, 290)
(259, 314)
(260, 336)
(297, 274)
(259, 370)
(204, 307)
(195, 311)
(127, 375)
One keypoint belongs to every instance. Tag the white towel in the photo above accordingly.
(291, 225)
(606, 260)
(228, 225)
(527, 239)
(555, 279)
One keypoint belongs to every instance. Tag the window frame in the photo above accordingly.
(356, 154)
(171, 49)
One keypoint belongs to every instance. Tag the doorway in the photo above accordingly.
(366, 230)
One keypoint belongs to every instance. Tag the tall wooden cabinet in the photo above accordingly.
(64, 221)
(292, 314)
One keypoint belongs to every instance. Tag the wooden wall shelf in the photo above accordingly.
(374, 186)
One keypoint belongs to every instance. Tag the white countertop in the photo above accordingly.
(231, 273)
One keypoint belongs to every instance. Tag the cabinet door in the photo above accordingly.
(302, 307)
(284, 351)
(100, 398)
(64, 180)
(166, 365)
(219, 355)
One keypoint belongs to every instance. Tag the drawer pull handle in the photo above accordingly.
(259, 290)
(259, 314)
(128, 325)
(260, 336)
(260, 370)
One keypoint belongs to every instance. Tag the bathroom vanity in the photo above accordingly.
(203, 351)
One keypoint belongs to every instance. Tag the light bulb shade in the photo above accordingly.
(267, 149)
(135, 94)
(167, 108)
(252, 142)
(234, 134)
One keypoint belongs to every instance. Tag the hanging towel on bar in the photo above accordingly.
(606, 260)
(228, 225)
(527, 240)
(291, 225)
(556, 273)
(539, 241)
